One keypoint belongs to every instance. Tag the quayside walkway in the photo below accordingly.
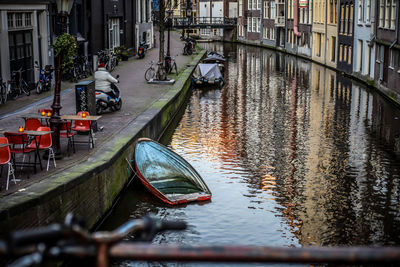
(136, 94)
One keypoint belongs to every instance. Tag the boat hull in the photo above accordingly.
(167, 175)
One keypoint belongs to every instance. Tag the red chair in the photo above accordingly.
(66, 132)
(5, 157)
(32, 124)
(84, 126)
(18, 146)
(45, 143)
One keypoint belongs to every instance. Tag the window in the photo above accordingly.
(113, 33)
(240, 8)
(387, 9)
(259, 4)
(318, 50)
(360, 11)
(349, 55)
(359, 55)
(258, 24)
(332, 11)
(254, 25)
(18, 20)
(351, 19)
(28, 20)
(368, 11)
(381, 13)
(272, 10)
(393, 15)
(345, 53)
(333, 46)
(249, 4)
(266, 9)
(391, 58)
(10, 20)
(367, 60)
(249, 29)
(255, 4)
(341, 53)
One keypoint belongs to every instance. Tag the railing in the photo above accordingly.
(204, 22)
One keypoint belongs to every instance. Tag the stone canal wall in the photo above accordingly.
(89, 189)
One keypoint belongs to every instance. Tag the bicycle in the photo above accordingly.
(17, 85)
(72, 241)
(45, 77)
(3, 91)
(170, 65)
(152, 71)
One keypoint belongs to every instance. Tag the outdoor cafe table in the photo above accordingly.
(37, 116)
(88, 118)
(32, 134)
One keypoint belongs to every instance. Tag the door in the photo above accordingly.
(21, 53)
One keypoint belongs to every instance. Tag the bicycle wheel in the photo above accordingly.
(149, 74)
(175, 67)
(11, 92)
(25, 88)
(3, 96)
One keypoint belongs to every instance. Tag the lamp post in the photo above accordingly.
(169, 29)
(63, 8)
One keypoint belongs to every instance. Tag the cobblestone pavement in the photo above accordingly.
(136, 94)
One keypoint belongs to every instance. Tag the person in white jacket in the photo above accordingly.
(104, 80)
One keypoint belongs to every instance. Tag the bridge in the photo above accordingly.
(204, 22)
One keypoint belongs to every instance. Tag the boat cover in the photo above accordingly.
(168, 173)
(207, 71)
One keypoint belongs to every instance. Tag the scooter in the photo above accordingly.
(45, 77)
(142, 49)
(105, 101)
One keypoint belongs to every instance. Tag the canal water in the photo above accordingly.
(294, 153)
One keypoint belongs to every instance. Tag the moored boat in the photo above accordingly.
(208, 75)
(167, 175)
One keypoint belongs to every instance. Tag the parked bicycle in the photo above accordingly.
(189, 47)
(108, 57)
(17, 85)
(3, 91)
(170, 65)
(152, 71)
(45, 78)
(72, 241)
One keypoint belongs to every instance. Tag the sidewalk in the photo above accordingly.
(136, 94)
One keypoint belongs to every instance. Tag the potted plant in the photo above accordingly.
(122, 53)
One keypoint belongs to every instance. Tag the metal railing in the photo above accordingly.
(204, 22)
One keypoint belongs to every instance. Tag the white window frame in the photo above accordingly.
(360, 11)
(113, 30)
(254, 24)
(368, 12)
(249, 26)
(258, 24)
(393, 15)
(273, 10)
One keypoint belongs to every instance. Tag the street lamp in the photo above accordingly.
(169, 29)
(63, 8)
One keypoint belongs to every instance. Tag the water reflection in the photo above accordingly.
(294, 153)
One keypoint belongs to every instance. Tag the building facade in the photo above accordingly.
(319, 31)
(346, 35)
(24, 38)
(387, 64)
(364, 48)
(268, 23)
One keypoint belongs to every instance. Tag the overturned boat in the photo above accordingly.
(208, 75)
(167, 175)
